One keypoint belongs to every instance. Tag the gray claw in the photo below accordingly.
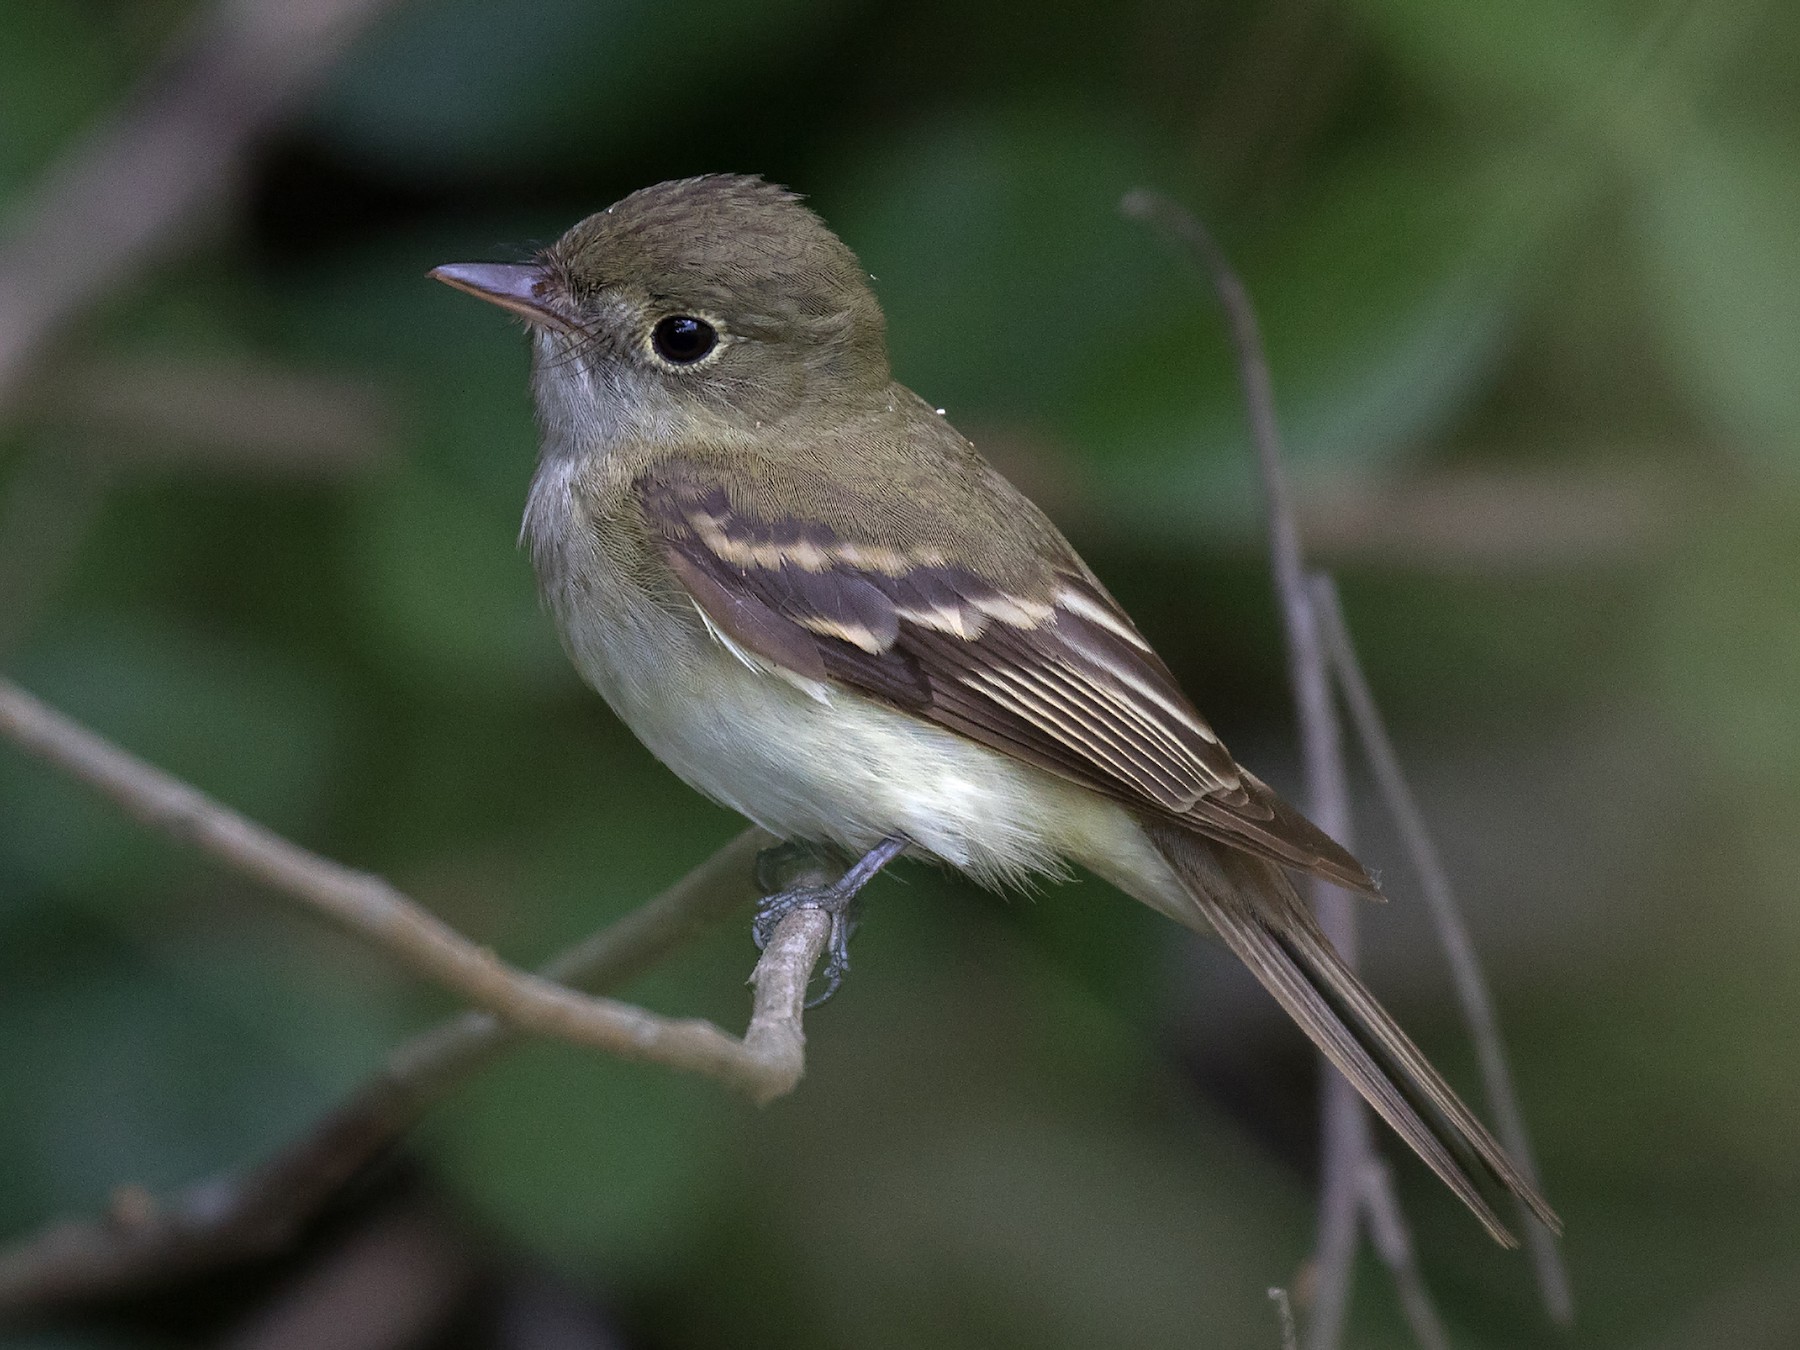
(839, 900)
(827, 899)
(837, 956)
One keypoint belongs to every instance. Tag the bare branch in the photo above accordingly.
(1345, 1141)
(367, 905)
(1388, 1231)
(1344, 1126)
(1344, 1144)
(775, 1041)
(121, 195)
(1284, 1315)
(1489, 520)
(233, 1219)
(1453, 936)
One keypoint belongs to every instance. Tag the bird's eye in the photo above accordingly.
(683, 339)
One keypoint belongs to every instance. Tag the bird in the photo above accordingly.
(814, 600)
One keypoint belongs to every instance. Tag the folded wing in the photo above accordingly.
(1053, 673)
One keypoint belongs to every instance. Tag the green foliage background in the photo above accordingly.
(1530, 275)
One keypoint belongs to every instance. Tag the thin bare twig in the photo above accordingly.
(1284, 1315)
(766, 1064)
(118, 199)
(1472, 991)
(1345, 1140)
(242, 1217)
(1345, 1144)
(1388, 1231)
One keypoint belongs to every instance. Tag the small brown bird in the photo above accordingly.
(812, 599)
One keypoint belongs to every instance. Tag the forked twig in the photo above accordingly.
(1452, 930)
(1346, 1146)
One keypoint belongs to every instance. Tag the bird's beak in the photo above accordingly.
(515, 286)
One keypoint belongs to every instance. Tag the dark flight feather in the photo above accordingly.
(1255, 910)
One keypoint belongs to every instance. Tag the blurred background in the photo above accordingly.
(1530, 278)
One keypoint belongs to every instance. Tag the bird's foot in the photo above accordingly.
(841, 904)
(839, 899)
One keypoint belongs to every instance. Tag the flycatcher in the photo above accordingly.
(812, 599)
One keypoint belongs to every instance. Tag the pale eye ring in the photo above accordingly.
(681, 339)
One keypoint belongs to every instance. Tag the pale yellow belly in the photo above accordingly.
(833, 766)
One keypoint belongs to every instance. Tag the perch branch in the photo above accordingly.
(1453, 936)
(763, 1064)
(259, 1212)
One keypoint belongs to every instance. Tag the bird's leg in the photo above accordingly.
(839, 900)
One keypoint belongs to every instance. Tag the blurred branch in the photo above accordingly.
(1388, 1231)
(1354, 1179)
(1284, 1314)
(1453, 935)
(386, 1287)
(1492, 519)
(233, 1219)
(239, 415)
(121, 196)
(111, 413)
(767, 1063)
(1348, 1151)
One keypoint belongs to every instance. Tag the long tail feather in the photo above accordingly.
(1255, 910)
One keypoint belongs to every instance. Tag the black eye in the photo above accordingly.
(683, 339)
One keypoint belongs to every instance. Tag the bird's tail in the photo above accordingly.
(1252, 906)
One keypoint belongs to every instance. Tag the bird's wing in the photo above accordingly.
(1053, 672)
